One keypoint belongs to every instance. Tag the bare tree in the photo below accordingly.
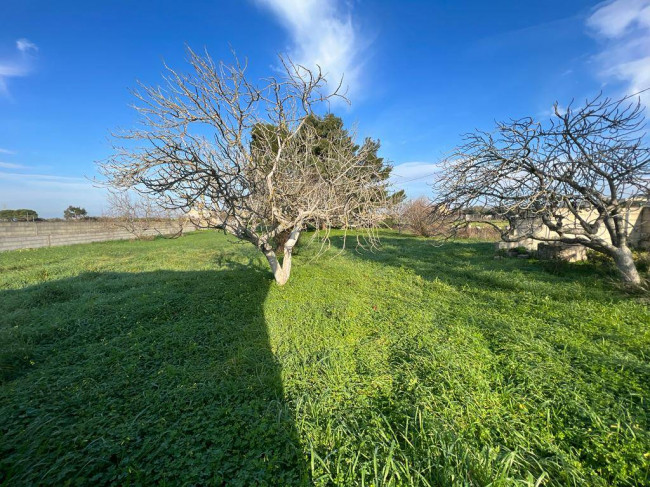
(417, 216)
(143, 217)
(571, 180)
(243, 153)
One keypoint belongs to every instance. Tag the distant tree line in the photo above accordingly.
(22, 214)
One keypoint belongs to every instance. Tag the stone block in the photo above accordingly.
(560, 251)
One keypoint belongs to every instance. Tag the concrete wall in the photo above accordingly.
(30, 235)
(637, 221)
(640, 233)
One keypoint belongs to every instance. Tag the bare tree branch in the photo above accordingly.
(572, 180)
(242, 155)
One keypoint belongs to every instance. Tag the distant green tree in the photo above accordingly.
(74, 213)
(26, 214)
(22, 214)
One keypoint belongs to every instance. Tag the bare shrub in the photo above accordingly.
(416, 214)
(143, 217)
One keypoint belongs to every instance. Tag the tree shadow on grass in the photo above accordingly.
(160, 377)
(471, 264)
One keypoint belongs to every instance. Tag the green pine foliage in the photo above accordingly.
(22, 214)
(74, 213)
(329, 130)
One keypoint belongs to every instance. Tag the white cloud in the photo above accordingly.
(623, 26)
(6, 151)
(322, 34)
(17, 66)
(25, 45)
(9, 165)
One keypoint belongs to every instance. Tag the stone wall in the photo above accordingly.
(30, 235)
(640, 233)
(637, 221)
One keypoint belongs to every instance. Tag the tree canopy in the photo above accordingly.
(252, 158)
(74, 213)
(22, 214)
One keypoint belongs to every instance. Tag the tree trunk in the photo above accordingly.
(280, 240)
(279, 269)
(625, 265)
(282, 271)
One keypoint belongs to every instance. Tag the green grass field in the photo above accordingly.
(181, 362)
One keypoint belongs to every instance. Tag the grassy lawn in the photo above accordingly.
(498, 223)
(180, 361)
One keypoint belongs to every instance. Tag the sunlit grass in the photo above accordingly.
(181, 361)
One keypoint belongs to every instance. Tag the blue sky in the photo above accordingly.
(420, 73)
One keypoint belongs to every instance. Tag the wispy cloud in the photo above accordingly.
(48, 178)
(550, 111)
(10, 165)
(20, 64)
(414, 170)
(322, 34)
(623, 26)
(415, 178)
(6, 151)
(25, 45)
